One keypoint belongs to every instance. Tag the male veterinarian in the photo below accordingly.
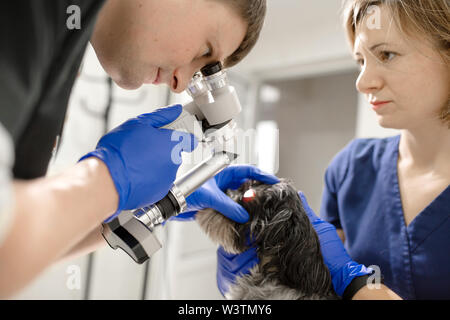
(44, 219)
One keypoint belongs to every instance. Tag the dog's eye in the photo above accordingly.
(249, 195)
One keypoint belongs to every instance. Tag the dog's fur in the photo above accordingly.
(291, 264)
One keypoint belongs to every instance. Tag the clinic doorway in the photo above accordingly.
(316, 117)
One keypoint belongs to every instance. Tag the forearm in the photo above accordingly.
(382, 293)
(51, 216)
(92, 242)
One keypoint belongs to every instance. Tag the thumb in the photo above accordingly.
(309, 212)
(162, 116)
(229, 208)
(204, 198)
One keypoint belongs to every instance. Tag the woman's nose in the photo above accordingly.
(369, 80)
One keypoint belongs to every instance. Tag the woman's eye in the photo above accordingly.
(386, 56)
(360, 62)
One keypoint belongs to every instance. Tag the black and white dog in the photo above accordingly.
(290, 265)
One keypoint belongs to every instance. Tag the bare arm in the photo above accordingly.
(341, 234)
(92, 242)
(51, 216)
(383, 293)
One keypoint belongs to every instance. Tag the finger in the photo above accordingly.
(258, 174)
(229, 208)
(309, 212)
(245, 269)
(219, 201)
(162, 117)
(233, 176)
(196, 201)
(230, 275)
(184, 216)
(236, 262)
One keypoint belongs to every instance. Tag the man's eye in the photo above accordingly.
(207, 53)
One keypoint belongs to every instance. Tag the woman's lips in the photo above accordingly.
(378, 104)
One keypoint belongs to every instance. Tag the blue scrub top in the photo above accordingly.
(362, 197)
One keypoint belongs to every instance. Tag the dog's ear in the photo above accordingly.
(289, 246)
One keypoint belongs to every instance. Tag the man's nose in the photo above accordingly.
(370, 80)
(181, 77)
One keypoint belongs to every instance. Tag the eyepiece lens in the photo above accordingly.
(211, 68)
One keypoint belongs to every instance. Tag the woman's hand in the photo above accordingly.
(230, 266)
(342, 268)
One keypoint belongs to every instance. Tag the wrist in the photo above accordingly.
(101, 186)
(355, 286)
(343, 279)
(114, 171)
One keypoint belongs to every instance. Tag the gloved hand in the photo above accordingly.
(142, 159)
(211, 193)
(342, 268)
(229, 266)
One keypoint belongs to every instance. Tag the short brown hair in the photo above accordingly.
(429, 18)
(253, 12)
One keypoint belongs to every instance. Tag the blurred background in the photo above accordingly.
(297, 89)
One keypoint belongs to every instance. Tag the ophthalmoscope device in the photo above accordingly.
(210, 117)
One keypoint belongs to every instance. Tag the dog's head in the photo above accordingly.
(287, 244)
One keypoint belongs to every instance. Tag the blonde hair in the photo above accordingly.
(429, 18)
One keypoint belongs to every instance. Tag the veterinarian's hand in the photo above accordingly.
(211, 194)
(230, 266)
(342, 268)
(140, 158)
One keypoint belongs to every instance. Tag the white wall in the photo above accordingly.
(299, 38)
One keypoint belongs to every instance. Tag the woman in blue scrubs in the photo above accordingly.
(390, 198)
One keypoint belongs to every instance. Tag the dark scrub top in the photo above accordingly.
(39, 60)
(362, 197)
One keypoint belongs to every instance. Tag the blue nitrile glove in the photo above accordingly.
(342, 268)
(142, 159)
(211, 193)
(229, 266)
